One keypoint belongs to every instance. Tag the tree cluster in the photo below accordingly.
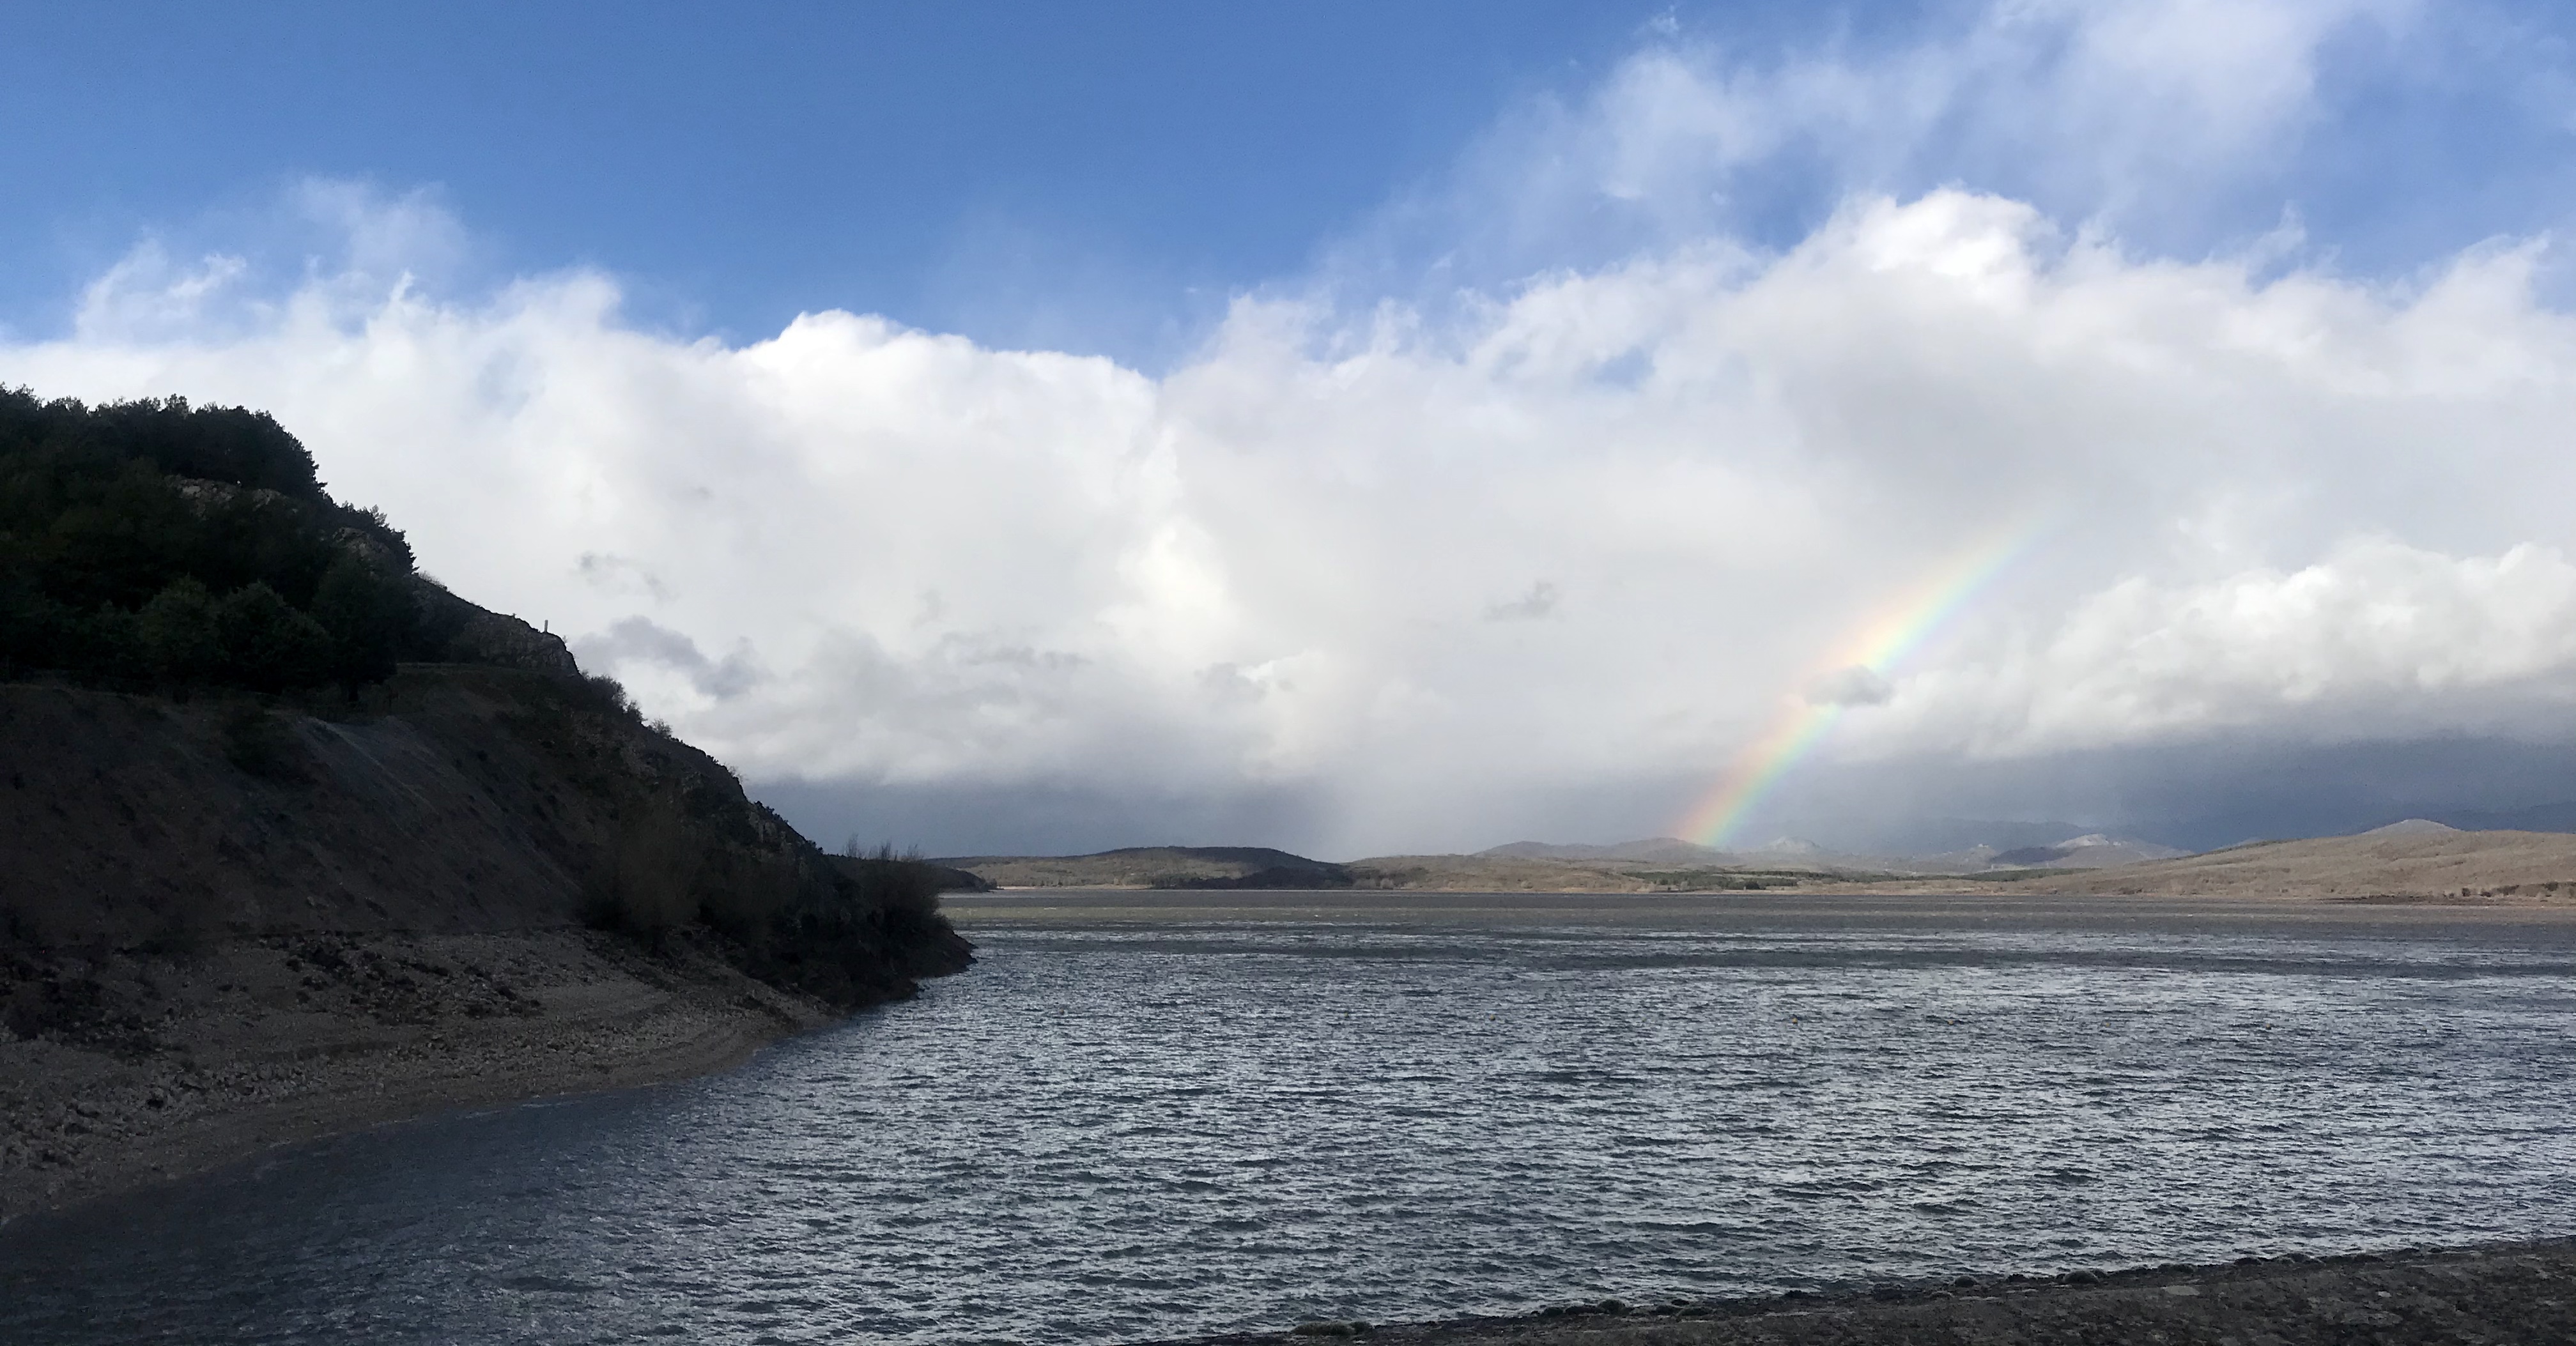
(157, 543)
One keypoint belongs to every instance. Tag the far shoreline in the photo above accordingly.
(1037, 906)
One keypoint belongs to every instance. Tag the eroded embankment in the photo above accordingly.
(2510, 1293)
(129, 1068)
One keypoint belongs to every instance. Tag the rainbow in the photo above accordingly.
(1877, 646)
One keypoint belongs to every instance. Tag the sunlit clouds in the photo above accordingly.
(1586, 523)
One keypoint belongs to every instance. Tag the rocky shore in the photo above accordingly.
(2504, 1293)
(124, 1068)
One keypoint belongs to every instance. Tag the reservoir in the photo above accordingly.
(1152, 1115)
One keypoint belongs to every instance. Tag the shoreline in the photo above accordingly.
(151, 1069)
(2519, 1291)
(1034, 907)
(2428, 863)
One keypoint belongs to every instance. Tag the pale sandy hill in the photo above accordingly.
(1495, 874)
(2093, 851)
(2410, 827)
(2528, 866)
(1653, 850)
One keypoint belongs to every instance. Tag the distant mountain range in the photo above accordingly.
(1652, 850)
(2412, 856)
(2091, 850)
(1153, 867)
(1957, 836)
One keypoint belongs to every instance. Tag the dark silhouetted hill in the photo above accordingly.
(230, 707)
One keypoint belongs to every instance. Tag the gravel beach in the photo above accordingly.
(2512, 1293)
(121, 1069)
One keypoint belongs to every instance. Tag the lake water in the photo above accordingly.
(1126, 1124)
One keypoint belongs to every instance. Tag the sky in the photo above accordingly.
(1371, 429)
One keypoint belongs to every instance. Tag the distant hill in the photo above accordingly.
(1646, 865)
(2088, 851)
(2410, 827)
(2557, 817)
(2409, 863)
(1660, 865)
(1657, 850)
(2415, 863)
(1952, 836)
(2091, 851)
(1156, 867)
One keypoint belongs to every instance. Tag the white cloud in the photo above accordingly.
(2299, 500)
(2141, 116)
(1587, 528)
(326, 247)
(147, 296)
(2377, 640)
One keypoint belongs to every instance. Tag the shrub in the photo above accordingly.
(367, 614)
(105, 642)
(905, 886)
(608, 695)
(268, 645)
(180, 640)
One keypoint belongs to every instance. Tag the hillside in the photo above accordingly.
(296, 839)
(2410, 864)
(1155, 867)
(2412, 861)
(1488, 872)
(2091, 851)
(455, 799)
(1652, 850)
(1260, 867)
(1788, 855)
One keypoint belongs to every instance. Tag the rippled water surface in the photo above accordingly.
(1108, 1131)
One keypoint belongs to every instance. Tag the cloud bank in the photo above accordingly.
(1393, 573)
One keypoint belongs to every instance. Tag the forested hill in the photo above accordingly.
(231, 707)
(157, 544)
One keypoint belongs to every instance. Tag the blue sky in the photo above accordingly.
(996, 168)
(1095, 176)
(1368, 428)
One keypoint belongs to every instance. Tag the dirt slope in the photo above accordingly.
(455, 799)
(128, 821)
